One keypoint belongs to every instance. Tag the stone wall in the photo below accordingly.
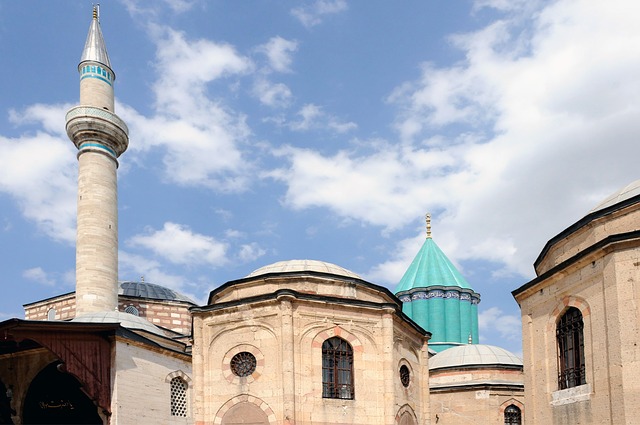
(602, 282)
(142, 385)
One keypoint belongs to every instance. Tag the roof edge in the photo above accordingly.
(582, 223)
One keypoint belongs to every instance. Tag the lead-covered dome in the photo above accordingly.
(474, 355)
(291, 266)
(627, 192)
(152, 291)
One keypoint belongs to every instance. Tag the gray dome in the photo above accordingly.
(627, 192)
(303, 266)
(152, 291)
(126, 320)
(474, 355)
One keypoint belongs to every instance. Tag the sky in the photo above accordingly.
(263, 131)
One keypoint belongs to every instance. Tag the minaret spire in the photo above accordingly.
(428, 220)
(100, 137)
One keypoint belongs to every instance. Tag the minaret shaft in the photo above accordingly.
(101, 137)
(97, 234)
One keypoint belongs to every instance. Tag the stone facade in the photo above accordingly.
(283, 322)
(475, 396)
(593, 266)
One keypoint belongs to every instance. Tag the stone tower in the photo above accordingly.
(437, 297)
(100, 137)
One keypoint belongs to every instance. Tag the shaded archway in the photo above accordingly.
(55, 397)
(245, 413)
(5, 406)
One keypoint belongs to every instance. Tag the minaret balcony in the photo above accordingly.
(91, 124)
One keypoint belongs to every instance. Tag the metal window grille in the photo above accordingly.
(337, 369)
(569, 334)
(405, 376)
(243, 364)
(178, 397)
(132, 310)
(512, 415)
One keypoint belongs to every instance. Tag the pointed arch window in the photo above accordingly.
(512, 415)
(337, 369)
(570, 338)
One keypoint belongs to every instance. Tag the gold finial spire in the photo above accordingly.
(428, 218)
(96, 11)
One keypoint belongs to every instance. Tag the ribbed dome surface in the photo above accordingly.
(629, 191)
(126, 320)
(302, 266)
(151, 290)
(431, 267)
(474, 355)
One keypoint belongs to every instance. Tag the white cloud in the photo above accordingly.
(180, 245)
(201, 137)
(312, 14)
(313, 117)
(40, 172)
(546, 117)
(272, 94)
(250, 252)
(492, 320)
(37, 274)
(278, 51)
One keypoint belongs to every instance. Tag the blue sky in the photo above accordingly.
(273, 130)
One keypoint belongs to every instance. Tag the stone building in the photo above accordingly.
(580, 328)
(296, 342)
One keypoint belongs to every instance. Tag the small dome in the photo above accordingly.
(126, 320)
(627, 192)
(473, 355)
(303, 266)
(151, 290)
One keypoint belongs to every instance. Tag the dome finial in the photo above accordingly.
(96, 11)
(428, 219)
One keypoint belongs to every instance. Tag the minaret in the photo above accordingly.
(101, 137)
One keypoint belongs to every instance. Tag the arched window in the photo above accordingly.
(132, 310)
(571, 367)
(512, 415)
(337, 369)
(51, 314)
(178, 397)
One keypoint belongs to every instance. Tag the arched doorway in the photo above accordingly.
(55, 397)
(245, 413)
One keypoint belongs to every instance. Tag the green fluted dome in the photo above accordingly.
(436, 296)
(429, 268)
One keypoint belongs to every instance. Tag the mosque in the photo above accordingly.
(308, 342)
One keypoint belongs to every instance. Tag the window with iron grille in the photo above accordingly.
(178, 397)
(132, 310)
(512, 415)
(337, 369)
(571, 367)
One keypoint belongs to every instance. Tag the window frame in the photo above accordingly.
(179, 407)
(570, 346)
(337, 369)
(512, 415)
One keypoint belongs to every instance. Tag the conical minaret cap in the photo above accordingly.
(94, 48)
